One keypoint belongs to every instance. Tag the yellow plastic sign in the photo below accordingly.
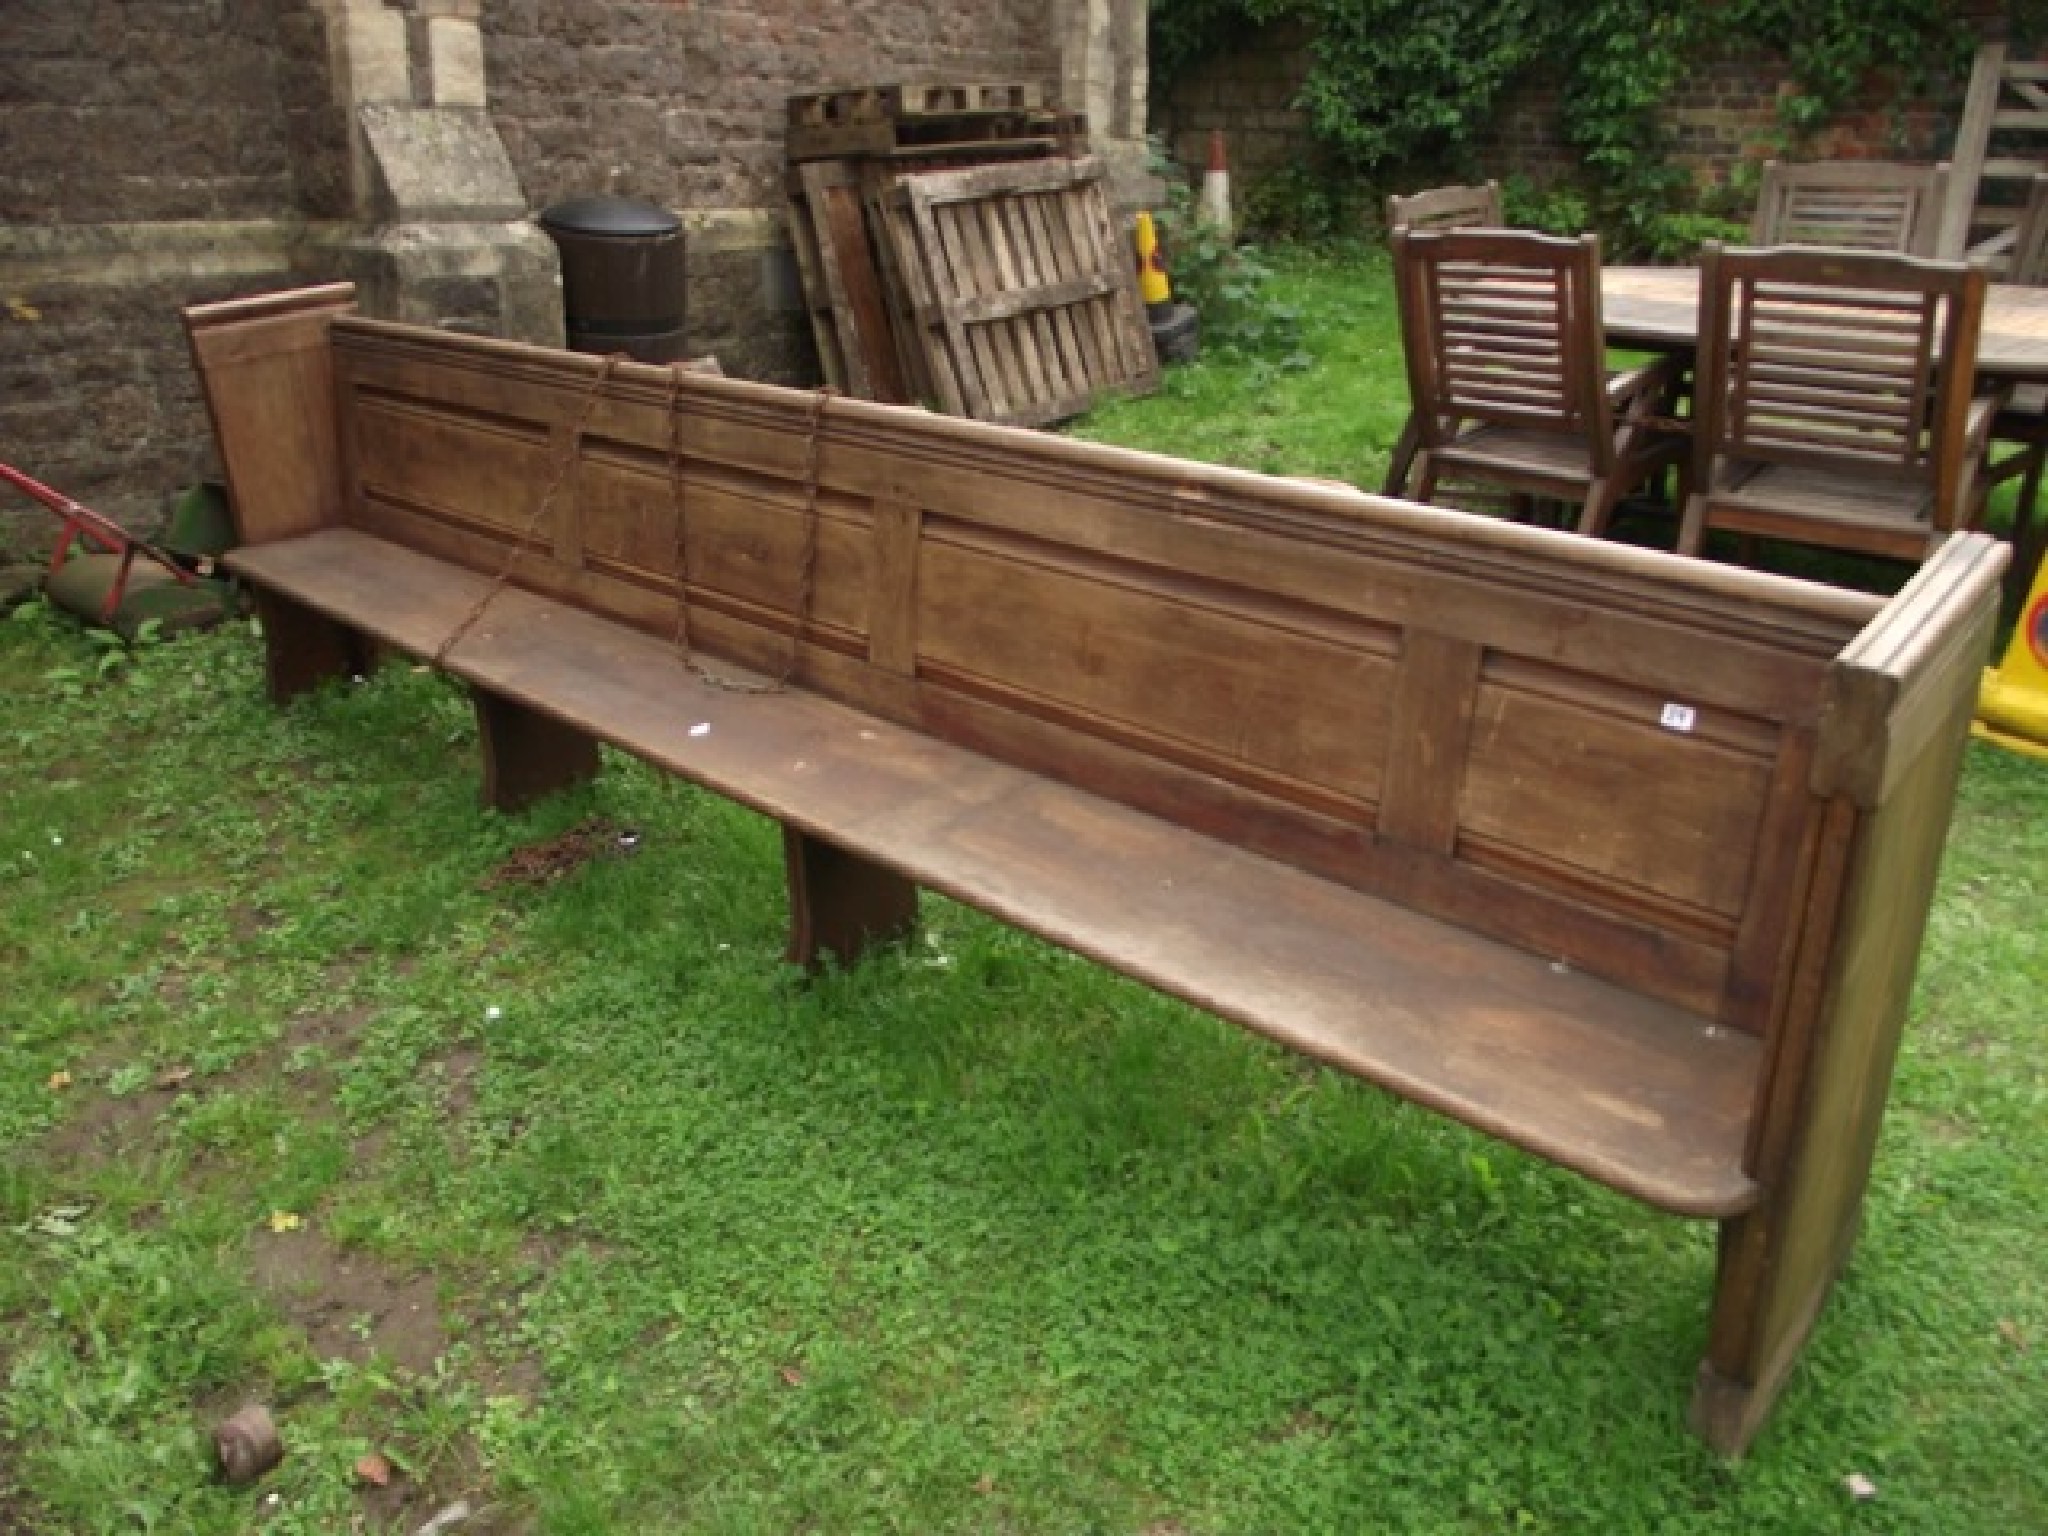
(1153, 287)
(2012, 708)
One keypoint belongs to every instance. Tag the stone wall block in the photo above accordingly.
(379, 56)
(455, 54)
(46, 29)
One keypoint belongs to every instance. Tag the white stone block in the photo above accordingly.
(455, 51)
(380, 69)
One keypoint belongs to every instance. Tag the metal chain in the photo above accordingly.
(806, 568)
(565, 461)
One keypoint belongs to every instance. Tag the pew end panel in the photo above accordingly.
(1900, 701)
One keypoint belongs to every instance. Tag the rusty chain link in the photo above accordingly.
(800, 616)
(564, 463)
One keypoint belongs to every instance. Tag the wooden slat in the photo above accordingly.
(804, 242)
(852, 285)
(1631, 1093)
(928, 372)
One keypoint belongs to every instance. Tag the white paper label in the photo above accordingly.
(1678, 717)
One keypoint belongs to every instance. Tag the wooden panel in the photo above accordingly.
(1635, 806)
(892, 587)
(466, 468)
(1317, 542)
(265, 370)
(1432, 731)
(1138, 655)
(1630, 1092)
(907, 294)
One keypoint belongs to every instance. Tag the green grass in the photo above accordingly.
(971, 1238)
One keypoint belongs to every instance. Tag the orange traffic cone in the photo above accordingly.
(1216, 188)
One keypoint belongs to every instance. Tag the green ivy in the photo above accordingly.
(1401, 82)
(1393, 79)
(1833, 45)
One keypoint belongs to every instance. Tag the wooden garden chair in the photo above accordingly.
(1833, 402)
(1501, 329)
(2023, 421)
(1474, 207)
(1859, 205)
(1465, 207)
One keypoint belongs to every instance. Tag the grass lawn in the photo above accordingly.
(508, 1149)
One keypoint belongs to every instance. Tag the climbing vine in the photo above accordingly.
(1394, 82)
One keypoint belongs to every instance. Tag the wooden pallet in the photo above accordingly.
(961, 132)
(1021, 300)
(891, 103)
(843, 286)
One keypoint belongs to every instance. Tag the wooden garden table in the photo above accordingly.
(1657, 309)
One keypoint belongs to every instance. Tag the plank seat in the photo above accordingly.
(1635, 1093)
(1620, 858)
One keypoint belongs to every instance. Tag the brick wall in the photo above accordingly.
(164, 117)
(1249, 93)
(140, 109)
(159, 152)
(683, 105)
(1723, 112)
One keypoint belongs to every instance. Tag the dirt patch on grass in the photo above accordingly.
(349, 1305)
(404, 1505)
(597, 837)
(100, 1127)
(459, 1071)
(16, 1513)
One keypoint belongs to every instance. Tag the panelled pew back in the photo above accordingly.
(1709, 801)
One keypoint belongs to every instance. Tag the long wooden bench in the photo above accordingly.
(1621, 858)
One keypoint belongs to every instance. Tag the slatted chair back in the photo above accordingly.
(1503, 327)
(1448, 208)
(1858, 205)
(2030, 243)
(1827, 358)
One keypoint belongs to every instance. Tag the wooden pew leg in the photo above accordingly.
(528, 755)
(1764, 1309)
(839, 903)
(303, 648)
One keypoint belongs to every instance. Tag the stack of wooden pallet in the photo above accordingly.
(958, 251)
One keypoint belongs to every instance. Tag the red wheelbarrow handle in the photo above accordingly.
(79, 519)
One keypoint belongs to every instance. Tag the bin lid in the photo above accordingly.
(609, 216)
